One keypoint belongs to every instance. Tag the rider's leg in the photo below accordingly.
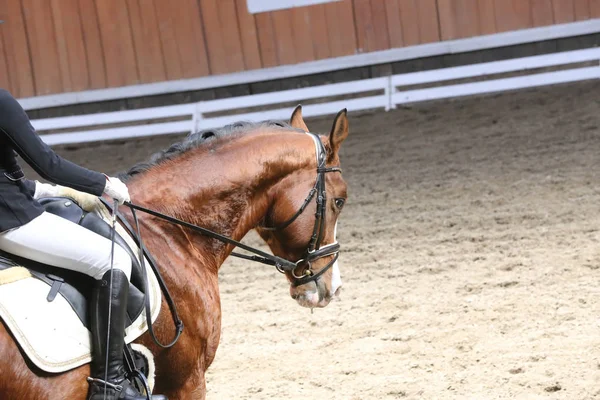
(107, 369)
(54, 240)
(61, 243)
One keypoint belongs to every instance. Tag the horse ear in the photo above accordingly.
(296, 121)
(339, 131)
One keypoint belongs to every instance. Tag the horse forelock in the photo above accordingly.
(201, 138)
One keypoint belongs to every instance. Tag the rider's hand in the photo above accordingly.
(116, 189)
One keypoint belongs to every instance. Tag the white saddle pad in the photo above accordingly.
(50, 333)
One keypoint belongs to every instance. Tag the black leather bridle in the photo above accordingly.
(314, 250)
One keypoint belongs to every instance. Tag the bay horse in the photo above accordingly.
(231, 180)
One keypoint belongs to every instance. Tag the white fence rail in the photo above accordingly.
(360, 95)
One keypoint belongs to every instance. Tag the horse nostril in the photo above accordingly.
(337, 292)
(295, 296)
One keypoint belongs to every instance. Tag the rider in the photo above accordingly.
(26, 230)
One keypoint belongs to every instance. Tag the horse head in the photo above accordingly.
(301, 223)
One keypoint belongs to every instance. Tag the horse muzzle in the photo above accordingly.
(313, 295)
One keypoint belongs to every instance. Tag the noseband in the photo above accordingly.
(314, 250)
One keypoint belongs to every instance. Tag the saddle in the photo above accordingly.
(46, 308)
(75, 287)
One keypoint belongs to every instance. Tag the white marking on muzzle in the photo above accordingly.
(336, 278)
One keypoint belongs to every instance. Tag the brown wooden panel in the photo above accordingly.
(512, 14)
(564, 11)
(196, 62)
(182, 39)
(284, 39)
(487, 17)
(61, 42)
(447, 22)
(66, 45)
(215, 41)
(466, 14)
(371, 25)
(249, 36)
(71, 45)
(168, 38)
(94, 53)
(595, 8)
(146, 39)
(382, 38)
(503, 11)
(459, 18)
(394, 23)
(301, 29)
(363, 22)
(42, 46)
(340, 28)
(319, 32)
(428, 21)
(410, 16)
(266, 39)
(582, 9)
(222, 36)
(16, 49)
(5, 79)
(117, 42)
(523, 13)
(231, 35)
(542, 12)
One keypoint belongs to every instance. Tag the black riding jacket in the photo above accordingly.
(17, 136)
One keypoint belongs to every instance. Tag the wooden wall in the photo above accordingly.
(53, 46)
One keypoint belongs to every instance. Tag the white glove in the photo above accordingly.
(116, 189)
(45, 190)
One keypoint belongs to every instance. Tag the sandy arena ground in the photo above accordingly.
(470, 261)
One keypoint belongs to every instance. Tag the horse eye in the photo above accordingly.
(339, 203)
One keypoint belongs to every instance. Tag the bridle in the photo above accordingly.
(314, 251)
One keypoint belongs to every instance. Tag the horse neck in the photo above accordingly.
(224, 187)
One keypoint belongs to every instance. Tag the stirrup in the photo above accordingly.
(118, 388)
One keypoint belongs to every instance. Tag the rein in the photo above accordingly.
(260, 256)
(143, 254)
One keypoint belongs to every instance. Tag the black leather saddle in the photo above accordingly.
(74, 286)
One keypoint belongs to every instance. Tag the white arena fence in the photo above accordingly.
(367, 94)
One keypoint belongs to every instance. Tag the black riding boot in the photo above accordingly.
(117, 387)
